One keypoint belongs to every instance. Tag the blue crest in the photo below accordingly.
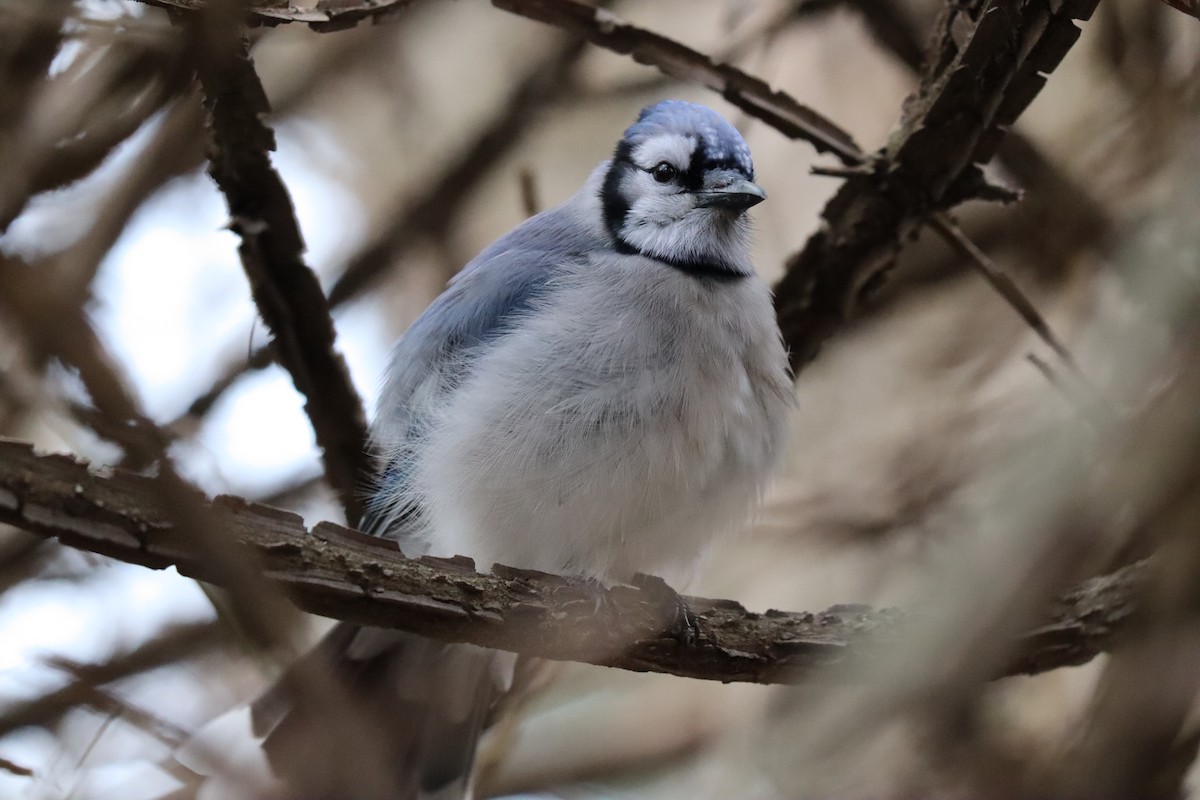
(720, 143)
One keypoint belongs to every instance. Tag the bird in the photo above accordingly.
(597, 394)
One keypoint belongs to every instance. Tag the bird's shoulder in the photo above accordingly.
(479, 305)
(496, 286)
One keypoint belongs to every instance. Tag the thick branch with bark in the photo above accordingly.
(955, 121)
(286, 291)
(345, 574)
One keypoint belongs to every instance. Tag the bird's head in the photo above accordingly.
(677, 189)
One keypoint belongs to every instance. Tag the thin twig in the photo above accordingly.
(527, 185)
(1086, 410)
(14, 768)
(168, 647)
(1004, 287)
(1084, 395)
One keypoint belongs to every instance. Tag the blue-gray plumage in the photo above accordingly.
(598, 393)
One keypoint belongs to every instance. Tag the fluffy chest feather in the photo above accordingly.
(616, 437)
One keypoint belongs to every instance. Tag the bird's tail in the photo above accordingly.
(372, 714)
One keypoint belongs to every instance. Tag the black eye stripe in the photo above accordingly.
(613, 202)
(615, 205)
(693, 179)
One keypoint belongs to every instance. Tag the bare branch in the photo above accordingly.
(432, 211)
(954, 121)
(175, 643)
(752, 95)
(342, 573)
(1191, 7)
(14, 768)
(285, 290)
(323, 15)
(1078, 219)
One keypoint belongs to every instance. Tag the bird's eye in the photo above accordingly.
(663, 172)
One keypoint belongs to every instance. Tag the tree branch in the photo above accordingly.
(286, 291)
(175, 643)
(955, 121)
(322, 15)
(752, 95)
(342, 573)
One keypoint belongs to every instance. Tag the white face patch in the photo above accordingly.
(665, 219)
(681, 232)
(673, 148)
(665, 222)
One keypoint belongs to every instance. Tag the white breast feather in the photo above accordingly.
(614, 438)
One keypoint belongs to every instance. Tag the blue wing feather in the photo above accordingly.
(477, 307)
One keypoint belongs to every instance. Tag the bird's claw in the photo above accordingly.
(684, 624)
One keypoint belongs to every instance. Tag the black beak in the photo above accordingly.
(737, 196)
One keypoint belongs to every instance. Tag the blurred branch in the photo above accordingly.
(322, 15)
(342, 573)
(752, 95)
(56, 326)
(286, 291)
(153, 80)
(75, 118)
(1140, 735)
(160, 160)
(21, 557)
(1191, 7)
(955, 120)
(24, 61)
(432, 211)
(14, 768)
(172, 645)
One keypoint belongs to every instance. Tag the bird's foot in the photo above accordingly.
(593, 590)
(684, 624)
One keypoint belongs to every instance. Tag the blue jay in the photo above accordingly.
(596, 394)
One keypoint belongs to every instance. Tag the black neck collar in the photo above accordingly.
(615, 208)
(700, 270)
